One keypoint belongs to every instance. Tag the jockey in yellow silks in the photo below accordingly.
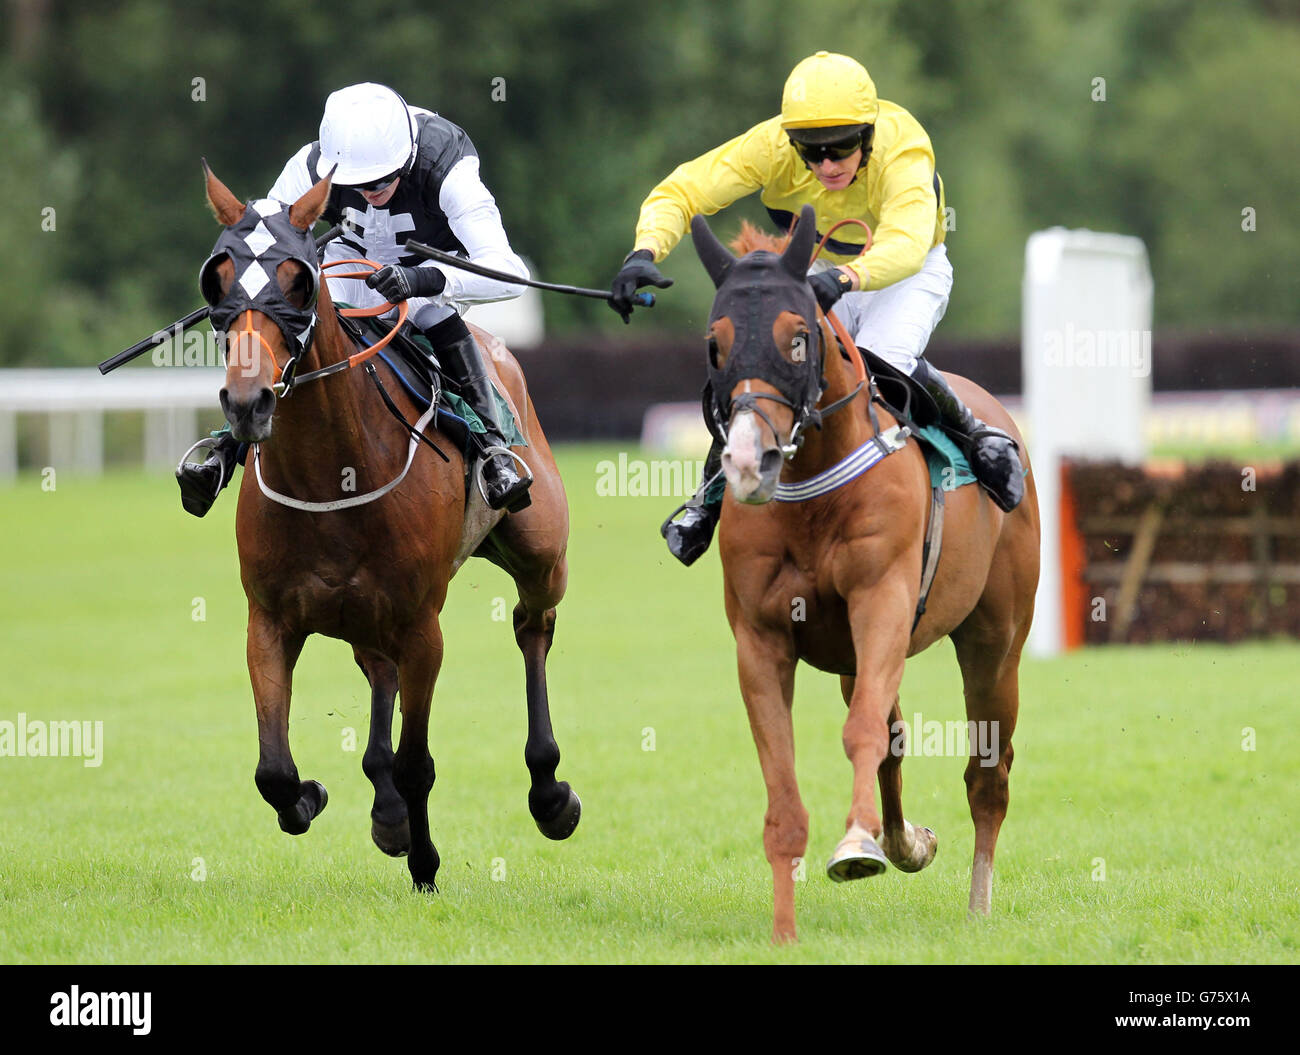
(840, 148)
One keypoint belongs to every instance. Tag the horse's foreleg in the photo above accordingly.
(413, 773)
(767, 685)
(909, 849)
(272, 653)
(388, 826)
(880, 653)
(554, 805)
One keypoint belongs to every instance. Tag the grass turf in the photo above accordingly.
(1140, 831)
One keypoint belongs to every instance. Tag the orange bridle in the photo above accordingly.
(837, 327)
(403, 310)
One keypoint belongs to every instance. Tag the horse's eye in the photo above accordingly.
(210, 283)
(713, 352)
(299, 291)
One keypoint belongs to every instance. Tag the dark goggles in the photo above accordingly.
(377, 185)
(816, 153)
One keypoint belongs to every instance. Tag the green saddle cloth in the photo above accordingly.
(949, 468)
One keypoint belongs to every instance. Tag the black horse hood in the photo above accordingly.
(752, 292)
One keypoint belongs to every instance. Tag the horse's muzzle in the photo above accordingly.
(250, 420)
(752, 469)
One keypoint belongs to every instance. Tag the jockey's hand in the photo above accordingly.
(829, 286)
(638, 270)
(402, 283)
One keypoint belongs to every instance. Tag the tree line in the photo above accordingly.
(1174, 120)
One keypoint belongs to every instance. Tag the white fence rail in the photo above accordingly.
(75, 402)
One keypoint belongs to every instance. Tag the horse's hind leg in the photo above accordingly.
(991, 674)
(413, 772)
(909, 849)
(272, 653)
(388, 824)
(530, 546)
(554, 805)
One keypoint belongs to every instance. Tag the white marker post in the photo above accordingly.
(1086, 354)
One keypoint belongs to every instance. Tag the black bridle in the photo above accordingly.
(256, 245)
(752, 291)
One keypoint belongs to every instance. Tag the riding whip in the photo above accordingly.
(644, 300)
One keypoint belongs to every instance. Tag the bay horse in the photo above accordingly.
(371, 573)
(834, 579)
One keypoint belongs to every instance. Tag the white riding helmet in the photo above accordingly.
(367, 131)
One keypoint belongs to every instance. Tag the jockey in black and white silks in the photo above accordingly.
(402, 172)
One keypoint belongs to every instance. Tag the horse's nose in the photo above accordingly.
(751, 469)
(250, 420)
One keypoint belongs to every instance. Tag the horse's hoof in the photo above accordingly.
(922, 842)
(561, 826)
(856, 857)
(393, 839)
(424, 886)
(311, 804)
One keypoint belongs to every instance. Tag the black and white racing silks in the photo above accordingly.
(441, 201)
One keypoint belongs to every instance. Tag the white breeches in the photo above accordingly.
(896, 322)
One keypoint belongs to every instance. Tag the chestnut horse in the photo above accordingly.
(834, 580)
(373, 574)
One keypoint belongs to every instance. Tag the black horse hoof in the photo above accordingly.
(297, 820)
(561, 826)
(393, 839)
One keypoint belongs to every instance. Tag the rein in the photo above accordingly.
(403, 309)
(841, 334)
(288, 379)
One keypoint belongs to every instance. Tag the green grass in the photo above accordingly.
(1130, 755)
(1240, 453)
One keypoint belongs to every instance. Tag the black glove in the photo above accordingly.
(403, 283)
(829, 286)
(638, 270)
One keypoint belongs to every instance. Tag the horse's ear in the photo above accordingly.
(307, 209)
(715, 256)
(225, 206)
(795, 257)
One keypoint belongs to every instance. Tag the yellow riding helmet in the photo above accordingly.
(828, 91)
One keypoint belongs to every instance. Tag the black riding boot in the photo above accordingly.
(200, 484)
(689, 537)
(994, 456)
(462, 359)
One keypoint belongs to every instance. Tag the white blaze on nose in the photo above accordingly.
(740, 461)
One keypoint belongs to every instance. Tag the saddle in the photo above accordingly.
(900, 393)
(414, 365)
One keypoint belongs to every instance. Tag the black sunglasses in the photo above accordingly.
(816, 153)
(374, 186)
